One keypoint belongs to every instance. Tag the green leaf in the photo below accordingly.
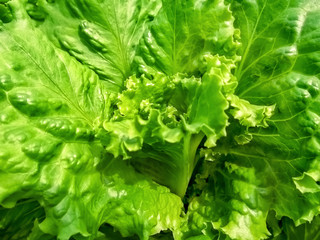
(273, 75)
(250, 115)
(49, 124)
(104, 41)
(257, 170)
(275, 48)
(107, 106)
(182, 33)
(47, 99)
(161, 121)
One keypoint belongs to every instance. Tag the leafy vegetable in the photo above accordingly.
(162, 119)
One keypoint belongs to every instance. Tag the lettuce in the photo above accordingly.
(159, 119)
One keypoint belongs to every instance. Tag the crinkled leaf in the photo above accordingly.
(183, 32)
(273, 168)
(100, 34)
(58, 125)
(276, 77)
(248, 114)
(51, 106)
(161, 121)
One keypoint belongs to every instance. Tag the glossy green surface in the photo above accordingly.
(161, 119)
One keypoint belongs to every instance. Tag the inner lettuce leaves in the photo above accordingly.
(160, 119)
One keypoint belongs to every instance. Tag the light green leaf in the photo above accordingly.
(47, 99)
(51, 107)
(161, 121)
(276, 167)
(248, 114)
(101, 99)
(183, 32)
(273, 75)
(104, 41)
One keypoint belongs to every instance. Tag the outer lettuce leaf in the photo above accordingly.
(46, 99)
(278, 76)
(183, 32)
(49, 123)
(276, 168)
(100, 34)
(273, 48)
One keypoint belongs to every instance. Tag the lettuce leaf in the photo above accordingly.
(154, 117)
(274, 167)
(105, 41)
(183, 33)
(51, 106)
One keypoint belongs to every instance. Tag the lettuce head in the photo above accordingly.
(159, 119)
